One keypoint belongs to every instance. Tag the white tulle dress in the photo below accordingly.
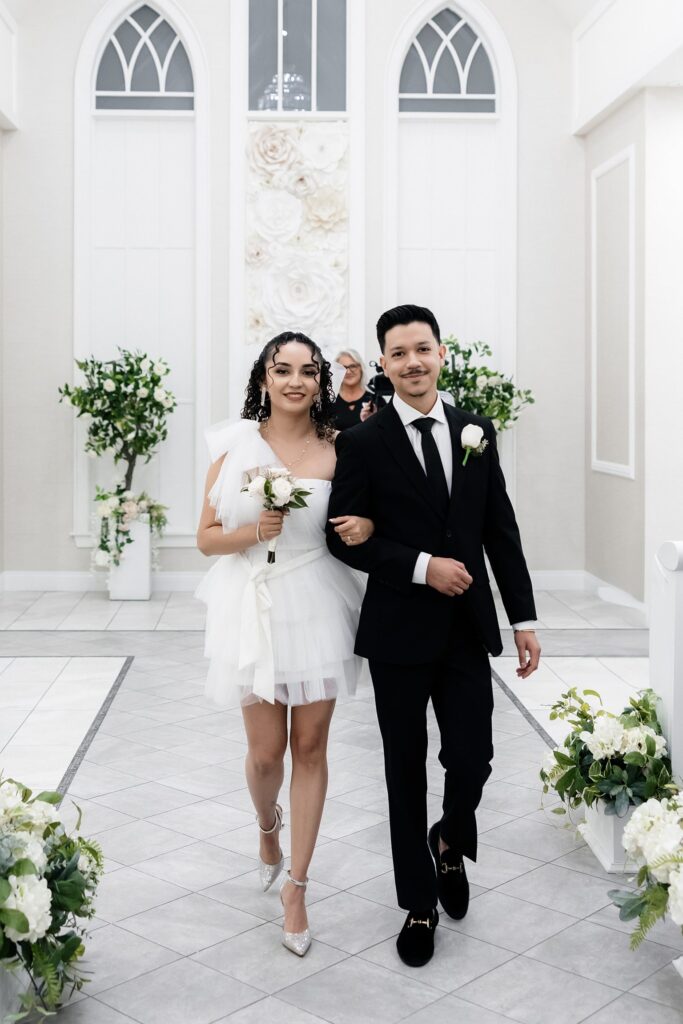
(283, 632)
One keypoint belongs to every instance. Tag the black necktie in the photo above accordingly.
(433, 464)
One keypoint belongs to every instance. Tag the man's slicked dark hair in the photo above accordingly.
(405, 315)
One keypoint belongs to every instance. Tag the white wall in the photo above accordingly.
(615, 504)
(663, 320)
(8, 54)
(38, 255)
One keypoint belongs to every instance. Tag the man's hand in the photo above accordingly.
(448, 576)
(529, 651)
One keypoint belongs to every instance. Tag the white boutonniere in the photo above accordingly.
(473, 441)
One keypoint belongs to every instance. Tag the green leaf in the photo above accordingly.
(49, 797)
(564, 759)
(14, 919)
(23, 867)
(5, 889)
(635, 757)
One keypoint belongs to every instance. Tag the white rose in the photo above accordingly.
(168, 402)
(130, 509)
(257, 252)
(645, 818)
(109, 385)
(482, 381)
(676, 895)
(257, 486)
(271, 148)
(101, 557)
(326, 208)
(143, 392)
(112, 502)
(282, 489)
(276, 216)
(305, 291)
(495, 379)
(471, 436)
(144, 366)
(323, 146)
(159, 394)
(301, 183)
(606, 738)
(103, 510)
(142, 505)
(10, 797)
(32, 897)
(160, 368)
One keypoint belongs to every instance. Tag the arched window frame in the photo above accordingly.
(94, 43)
(178, 103)
(447, 49)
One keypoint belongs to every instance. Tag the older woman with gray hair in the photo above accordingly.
(353, 394)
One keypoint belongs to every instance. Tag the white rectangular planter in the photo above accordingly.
(131, 580)
(603, 833)
(12, 987)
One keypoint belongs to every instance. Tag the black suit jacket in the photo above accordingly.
(378, 475)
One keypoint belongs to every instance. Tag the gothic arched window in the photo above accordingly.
(144, 66)
(297, 55)
(447, 69)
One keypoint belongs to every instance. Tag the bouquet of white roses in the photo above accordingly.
(277, 490)
(654, 839)
(47, 880)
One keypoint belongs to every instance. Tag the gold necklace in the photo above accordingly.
(288, 465)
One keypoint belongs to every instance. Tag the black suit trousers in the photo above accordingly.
(459, 687)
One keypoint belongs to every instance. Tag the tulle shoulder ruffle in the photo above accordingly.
(245, 450)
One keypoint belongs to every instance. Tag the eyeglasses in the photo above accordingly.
(350, 366)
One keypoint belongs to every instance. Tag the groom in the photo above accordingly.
(428, 621)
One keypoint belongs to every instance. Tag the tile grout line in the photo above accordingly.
(76, 760)
(511, 695)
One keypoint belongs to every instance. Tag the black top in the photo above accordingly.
(347, 414)
(378, 475)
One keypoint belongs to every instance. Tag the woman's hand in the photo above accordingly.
(353, 529)
(270, 524)
(367, 410)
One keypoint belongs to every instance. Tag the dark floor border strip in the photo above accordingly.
(525, 711)
(76, 760)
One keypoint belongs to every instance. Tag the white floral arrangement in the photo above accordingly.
(297, 237)
(653, 839)
(116, 510)
(621, 760)
(126, 404)
(48, 882)
(276, 489)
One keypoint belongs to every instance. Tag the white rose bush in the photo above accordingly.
(276, 490)
(477, 388)
(48, 882)
(126, 405)
(621, 760)
(297, 230)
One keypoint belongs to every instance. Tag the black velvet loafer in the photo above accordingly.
(415, 943)
(451, 877)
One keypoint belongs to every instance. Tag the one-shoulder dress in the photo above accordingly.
(282, 632)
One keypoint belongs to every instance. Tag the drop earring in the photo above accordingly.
(263, 396)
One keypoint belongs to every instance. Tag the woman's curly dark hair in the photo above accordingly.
(322, 409)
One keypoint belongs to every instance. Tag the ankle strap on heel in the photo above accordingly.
(294, 881)
(277, 824)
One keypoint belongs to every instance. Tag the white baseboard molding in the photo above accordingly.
(15, 580)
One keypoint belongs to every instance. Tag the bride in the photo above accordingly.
(280, 635)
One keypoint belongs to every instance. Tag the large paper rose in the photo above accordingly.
(272, 148)
(326, 208)
(302, 291)
(276, 216)
(257, 252)
(323, 146)
(300, 182)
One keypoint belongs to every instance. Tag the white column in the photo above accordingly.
(666, 644)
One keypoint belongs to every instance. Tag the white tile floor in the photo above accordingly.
(183, 933)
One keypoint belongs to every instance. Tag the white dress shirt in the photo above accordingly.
(442, 436)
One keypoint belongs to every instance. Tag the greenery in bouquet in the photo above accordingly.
(477, 388)
(653, 838)
(48, 881)
(621, 759)
(116, 511)
(126, 405)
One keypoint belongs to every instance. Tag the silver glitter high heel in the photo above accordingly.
(269, 872)
(296, 942)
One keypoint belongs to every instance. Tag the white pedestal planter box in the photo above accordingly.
(12, 987)
(131, 580)
(603, 833)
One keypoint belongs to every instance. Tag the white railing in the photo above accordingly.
(666, 645)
